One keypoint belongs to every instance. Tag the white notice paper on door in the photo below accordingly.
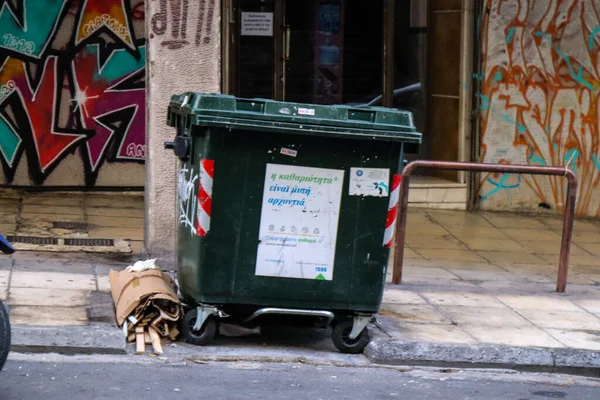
(257, 24)
(299, 222)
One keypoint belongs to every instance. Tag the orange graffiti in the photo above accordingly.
(540, 99)
(108, 14)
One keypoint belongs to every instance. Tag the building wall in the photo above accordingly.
(184, 55)
(72, 92)
(539, 100)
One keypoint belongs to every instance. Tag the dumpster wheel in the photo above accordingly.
(341, 337)
(198, 337)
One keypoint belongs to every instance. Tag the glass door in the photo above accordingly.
(309, 51)
(334, 53)
(257, 41)
(359, 53)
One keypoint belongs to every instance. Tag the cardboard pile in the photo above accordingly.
(147, 306)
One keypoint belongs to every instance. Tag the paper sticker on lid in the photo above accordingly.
(306, 111)
(288, 152)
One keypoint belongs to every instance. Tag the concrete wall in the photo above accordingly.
(539, 100)
(72, 92)
(183, 55)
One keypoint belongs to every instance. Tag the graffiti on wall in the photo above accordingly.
(170, 23)
(72, 80)
(540, 96)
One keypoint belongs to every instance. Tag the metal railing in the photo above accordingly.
(567, 231)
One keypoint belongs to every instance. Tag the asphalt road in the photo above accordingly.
(121, 379)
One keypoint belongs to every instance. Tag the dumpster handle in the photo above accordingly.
(291, 311)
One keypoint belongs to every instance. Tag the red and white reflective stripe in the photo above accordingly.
(207, 172)
(390, 223)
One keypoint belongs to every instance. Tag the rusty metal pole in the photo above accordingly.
(567, 233)
(401, 225)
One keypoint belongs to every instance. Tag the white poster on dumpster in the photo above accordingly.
(299, 222)
(369, 182)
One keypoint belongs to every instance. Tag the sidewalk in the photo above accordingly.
(61, 302)
(478, 290)
(479, 281)
(55, 289)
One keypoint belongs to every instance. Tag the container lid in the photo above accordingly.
(376, 123)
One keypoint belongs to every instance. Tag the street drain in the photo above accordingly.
(90, 242)
(32, 240)
(43, 241)
(78, 226)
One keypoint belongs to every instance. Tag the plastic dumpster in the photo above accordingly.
(285, 212)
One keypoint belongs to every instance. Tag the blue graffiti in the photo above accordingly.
(577, 76)
(120, 63)
(510, 35)
(29, 34)
(501, 184)
(498, 76)
(592, 35)
(596, 162)
(9, 141)
(571, 158)
(508, 119)
(535, 159)
(538, 160)
(485, 104)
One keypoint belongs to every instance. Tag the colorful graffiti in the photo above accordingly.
(540, 98)
(72, 80)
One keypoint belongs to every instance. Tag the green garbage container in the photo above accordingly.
(285, 212)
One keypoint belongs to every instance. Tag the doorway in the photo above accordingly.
(308, 51)
(397, 54)
(330, 52)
